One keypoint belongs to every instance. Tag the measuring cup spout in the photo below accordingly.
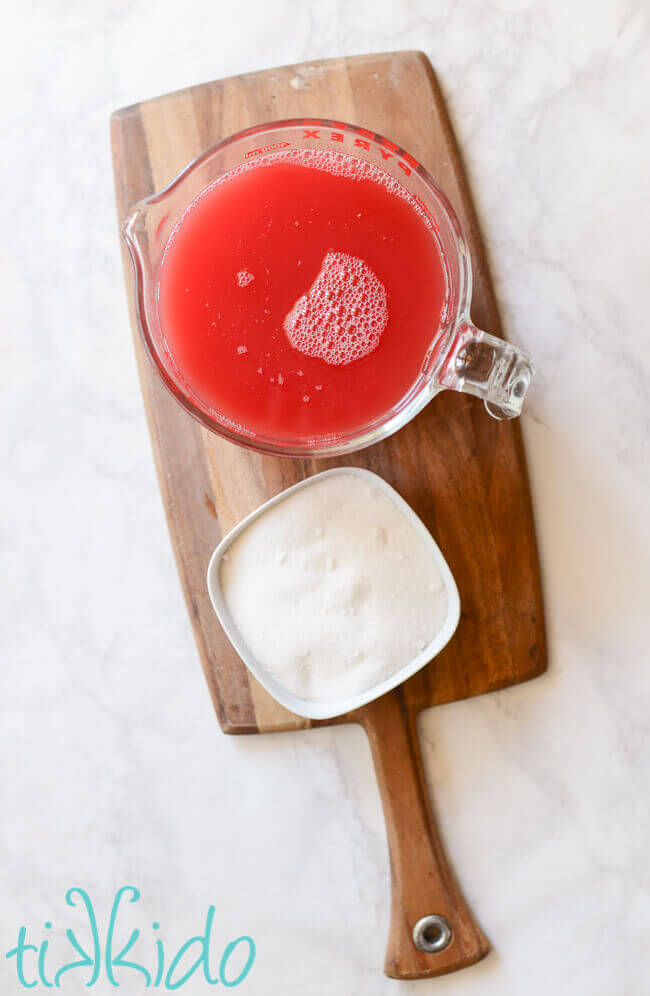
(490, 368)
(135, 223)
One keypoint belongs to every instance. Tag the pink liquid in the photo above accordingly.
(298, 298)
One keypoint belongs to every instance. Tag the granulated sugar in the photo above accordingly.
(333, 589)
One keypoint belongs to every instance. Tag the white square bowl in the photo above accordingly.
(309, 708)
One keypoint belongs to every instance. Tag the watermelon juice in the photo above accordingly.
(299, 295)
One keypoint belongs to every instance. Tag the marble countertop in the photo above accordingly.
(114, 769)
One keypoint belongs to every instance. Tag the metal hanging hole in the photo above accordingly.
(432, 934)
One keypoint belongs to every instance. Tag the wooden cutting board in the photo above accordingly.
(463, 472)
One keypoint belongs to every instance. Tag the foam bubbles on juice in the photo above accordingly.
(244, 278)
(344, 313)
(342, 164)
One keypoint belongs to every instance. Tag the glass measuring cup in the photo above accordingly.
(460, 356)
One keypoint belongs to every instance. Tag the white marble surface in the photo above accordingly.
(113, 767)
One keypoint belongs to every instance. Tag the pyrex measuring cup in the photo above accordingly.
(460, 356)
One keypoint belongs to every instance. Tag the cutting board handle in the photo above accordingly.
(427, 905)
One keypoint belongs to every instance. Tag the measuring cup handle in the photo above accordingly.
(432, 931)
(490, 368)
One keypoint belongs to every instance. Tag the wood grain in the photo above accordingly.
(462, 472)
(422, 881)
